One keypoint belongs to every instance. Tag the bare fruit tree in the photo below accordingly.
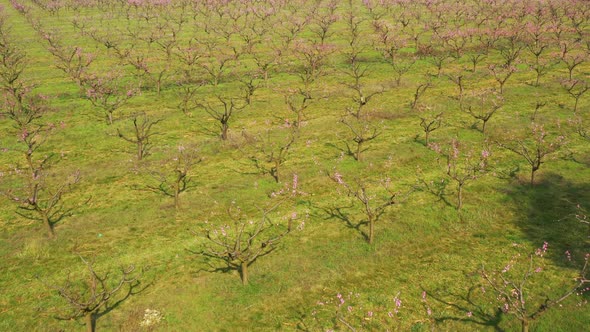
(141, 134)
(242, 241)
(576, 88)
(362, 132)
(374, 200)
(481, 106)
(462, 164)
(511, 286)
(174, 177)
(430, 120)
(222, 111)
(271, 150)
(535, 148)
(96, 294)
(108, 93)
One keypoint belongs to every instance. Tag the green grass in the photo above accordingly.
(422, 244)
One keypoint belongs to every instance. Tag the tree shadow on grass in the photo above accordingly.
(547, 213)
(342, 150)
(339, 213)
(470, 309)
(134, 289)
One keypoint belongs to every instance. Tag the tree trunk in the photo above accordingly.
(533, 170)
(90, 322)
(47, 223)
(29, 156)
(110, 117)
(525, 325)
(177, 194)
(244, 273)
(358, 151)
(224, 129)
(275, 173)
(139, 150)
(176, 199)
(159, 83)
(371, 230)
(460, 196)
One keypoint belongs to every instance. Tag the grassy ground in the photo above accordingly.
(422, 244)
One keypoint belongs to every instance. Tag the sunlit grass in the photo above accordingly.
(422, 244)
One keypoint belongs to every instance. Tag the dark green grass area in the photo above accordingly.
(423, 242)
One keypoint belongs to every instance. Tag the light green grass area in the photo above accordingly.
(423, 243)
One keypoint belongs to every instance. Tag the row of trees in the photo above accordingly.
(36, 194)
(175, 44)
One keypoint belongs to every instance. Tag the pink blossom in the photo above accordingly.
(24, 134)
(338, 178)
(455, 146)
(295, 182)
(435, 147)
(301, 226)
(541, 251)
(398, 303)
